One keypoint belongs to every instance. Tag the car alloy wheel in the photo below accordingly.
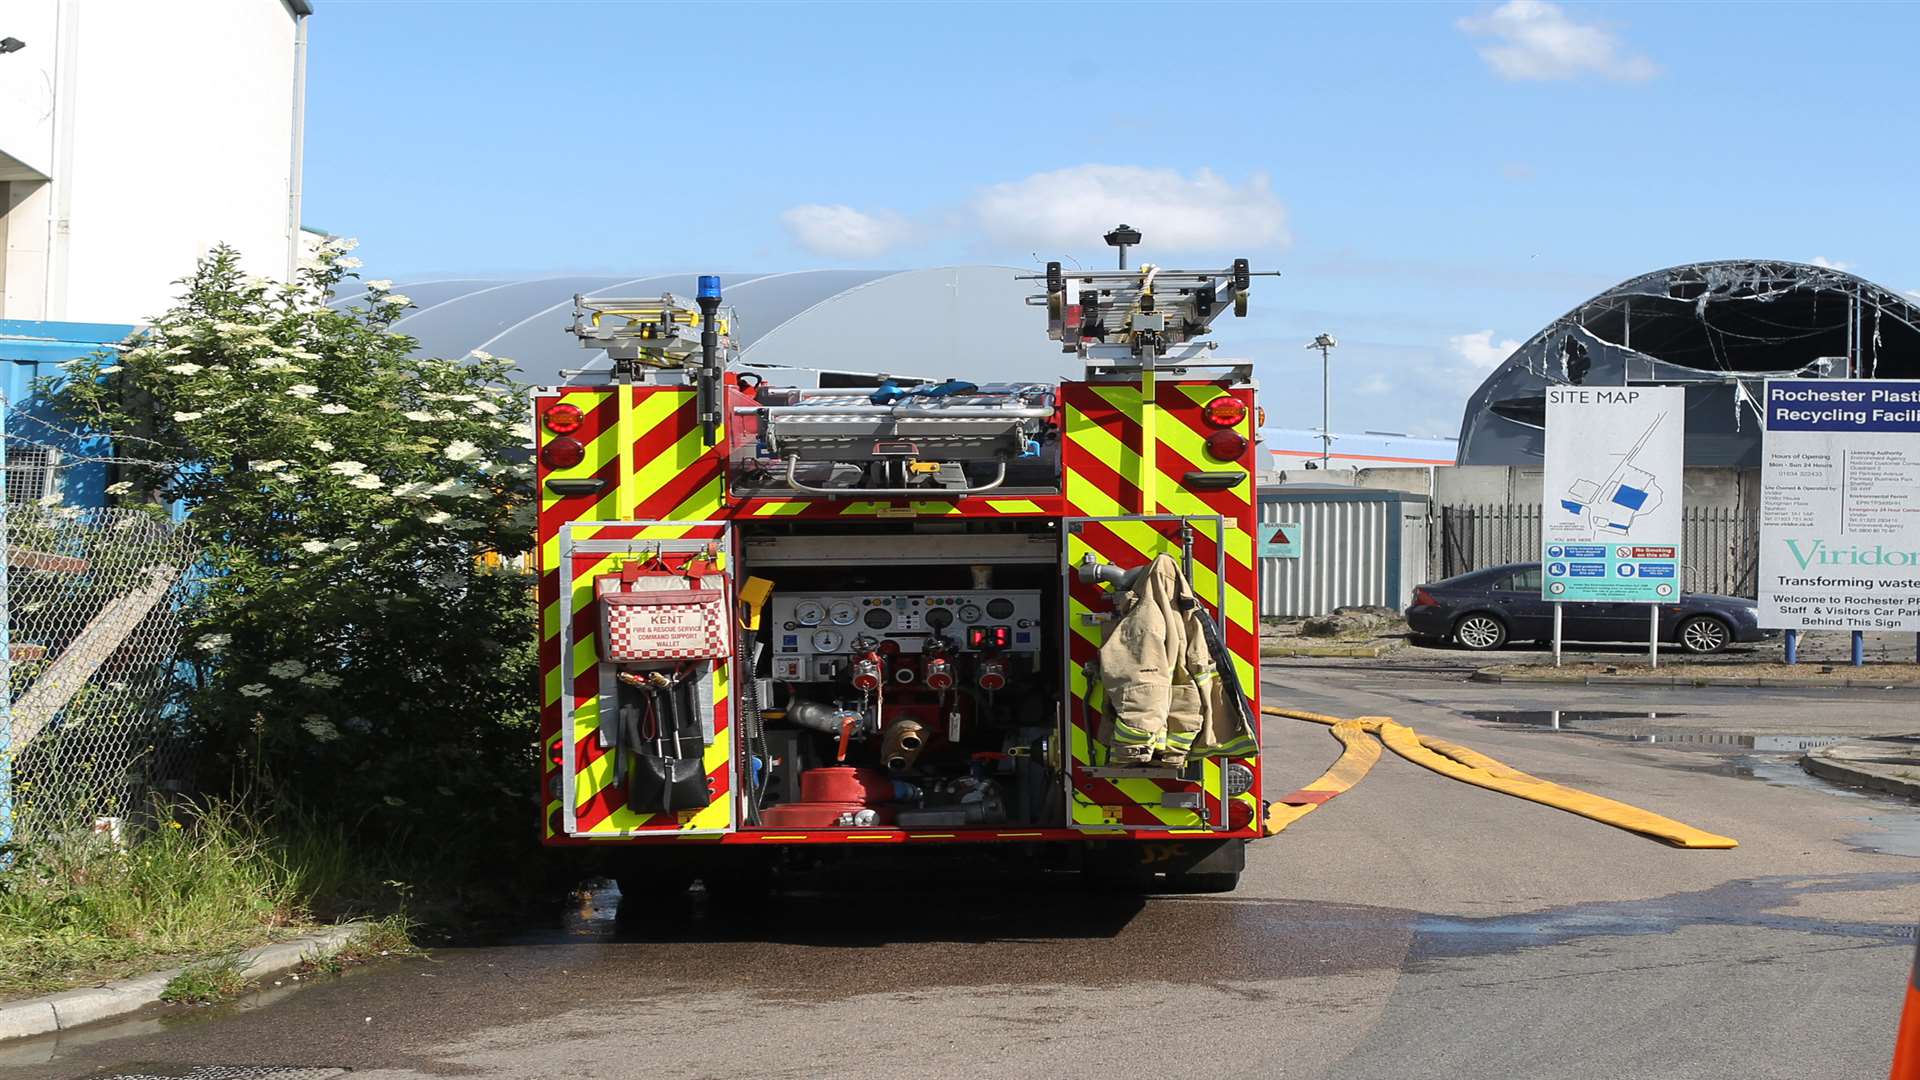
(1703, 635)
(1480, 632)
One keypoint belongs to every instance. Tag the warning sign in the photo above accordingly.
(1279, 539)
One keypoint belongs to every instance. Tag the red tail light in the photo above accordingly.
(1423, 598)
(1226, 445)
(1226, 412)
(562, 419)
(563, 453)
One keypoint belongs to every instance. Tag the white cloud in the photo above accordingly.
(843, 232)
(1374, 384)
(1831, 264)
(1480, 351)
(1069, 208)
(1913, 294)
(1534, 40)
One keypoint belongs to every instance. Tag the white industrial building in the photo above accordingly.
(134, 136)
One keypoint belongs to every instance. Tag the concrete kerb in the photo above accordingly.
(1577, 678)
(1865, 765)
(72, 1008)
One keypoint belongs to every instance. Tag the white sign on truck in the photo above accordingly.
(1840, 505)
(1610, 522)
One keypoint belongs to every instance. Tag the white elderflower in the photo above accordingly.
(348, 468)
(273, 363)
(302, 354)
(286, 478)
(436, 517)
(321, 679)
(461, 450)
(412, 489)
(334, 409)
(366, 482)
(400, 298)
(186, 368)
(347, 263)
(345, 545)
(287, 669)
(478, 354)
(256, 690)
(314, 547)
(379, 285)
(487, 407)
(302, 390)
(463, 397)
(323, 446)
(320, 728)
(184, 417)
(268, 466)
(120, 488)
(417, 416)
(110, 369)
(213, 642)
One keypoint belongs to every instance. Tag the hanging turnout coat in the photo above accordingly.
(1164, 696)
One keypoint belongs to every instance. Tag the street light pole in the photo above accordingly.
(1325, 344)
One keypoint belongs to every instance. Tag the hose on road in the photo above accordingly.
(1467, 766)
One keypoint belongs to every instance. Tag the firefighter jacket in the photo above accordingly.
(1163, 692)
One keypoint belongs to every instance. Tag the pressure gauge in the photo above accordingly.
(842, 614)
(969, 613)
(808, 613)
(1000, 607)
(826, 641)
(939, 618)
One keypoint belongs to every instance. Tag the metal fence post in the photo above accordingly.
(6, 651)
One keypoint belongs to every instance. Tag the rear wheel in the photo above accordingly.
(1480, 632)
(1704, 634)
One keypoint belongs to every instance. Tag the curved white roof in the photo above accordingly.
(968, 322)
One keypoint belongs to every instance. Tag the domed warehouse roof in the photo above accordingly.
(1720, 329)
(966, 321)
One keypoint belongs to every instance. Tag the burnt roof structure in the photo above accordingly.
(1720, 329)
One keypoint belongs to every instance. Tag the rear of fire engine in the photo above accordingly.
(782, 624)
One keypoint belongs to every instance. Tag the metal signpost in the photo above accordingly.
(1610, 522)
(1840, 507)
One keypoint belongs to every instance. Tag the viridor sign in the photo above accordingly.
(1610, 520)
(1840, 505)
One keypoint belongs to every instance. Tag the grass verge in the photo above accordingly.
(206, 983)
(202, 882)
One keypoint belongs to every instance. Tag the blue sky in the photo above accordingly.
(1436, 181)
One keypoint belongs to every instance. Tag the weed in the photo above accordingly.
(206, 983)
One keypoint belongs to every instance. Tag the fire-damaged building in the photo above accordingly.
(1719, 328)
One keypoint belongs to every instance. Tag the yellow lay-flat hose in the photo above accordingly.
(1468, 766)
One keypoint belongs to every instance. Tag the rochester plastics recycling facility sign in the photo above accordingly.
(1840, 505)
(1610, 522)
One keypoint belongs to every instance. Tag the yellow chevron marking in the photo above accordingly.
(1015, 506)
(1089, 499)
(550, 689)
(1102, 443)
(782, 508)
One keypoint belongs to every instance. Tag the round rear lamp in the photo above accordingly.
(1226, 412)
(563, 453)
(1226, 445)
(1239, 778)
(562, 419)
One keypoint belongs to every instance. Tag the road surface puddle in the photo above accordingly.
(1646, 727)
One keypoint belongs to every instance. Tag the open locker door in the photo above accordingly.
(1104, 797)
(646, 639)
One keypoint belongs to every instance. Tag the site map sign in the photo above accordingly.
(1610, 522)
(1840, 505)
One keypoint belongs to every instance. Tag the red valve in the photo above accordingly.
(869, 672)
(992, 674)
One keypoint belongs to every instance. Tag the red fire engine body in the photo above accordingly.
(797, 619)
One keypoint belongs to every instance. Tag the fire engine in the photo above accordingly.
(780, 624)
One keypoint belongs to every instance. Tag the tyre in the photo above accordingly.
(1704, 634)
(1480, 632)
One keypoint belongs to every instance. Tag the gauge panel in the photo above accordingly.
(824, 623)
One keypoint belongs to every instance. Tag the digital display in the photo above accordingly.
(989, 637)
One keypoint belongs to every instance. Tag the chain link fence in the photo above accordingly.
(93, 615)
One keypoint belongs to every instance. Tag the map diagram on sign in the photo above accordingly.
(1610, 506)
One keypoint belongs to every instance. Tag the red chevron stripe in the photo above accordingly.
(574, 507)
(1085, 466)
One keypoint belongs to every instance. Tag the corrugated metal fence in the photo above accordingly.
(1719, 545)
(1356, 547)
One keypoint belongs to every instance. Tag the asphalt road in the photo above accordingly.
(1414, 927)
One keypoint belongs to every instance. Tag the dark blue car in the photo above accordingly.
(1485, 609)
